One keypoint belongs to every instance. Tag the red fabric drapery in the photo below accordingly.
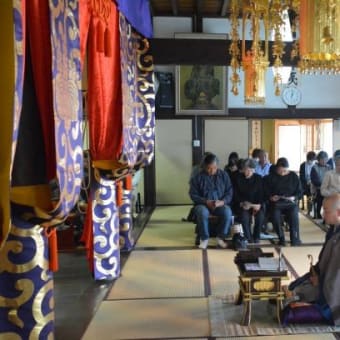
(104, 81)
(38, 31)
(104, 94)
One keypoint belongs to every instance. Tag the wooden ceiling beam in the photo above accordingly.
(202, 51)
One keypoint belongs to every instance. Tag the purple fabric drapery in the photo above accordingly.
(137, 12)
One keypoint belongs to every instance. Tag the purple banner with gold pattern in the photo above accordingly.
(26, 285)
(138, 100)
(105, 217)
(67, 100)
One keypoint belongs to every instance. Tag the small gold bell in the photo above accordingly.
(326, 36)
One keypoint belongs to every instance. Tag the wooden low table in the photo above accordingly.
(259, 285)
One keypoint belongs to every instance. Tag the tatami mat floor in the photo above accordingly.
(169, 289)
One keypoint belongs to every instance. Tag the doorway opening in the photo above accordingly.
(294, 138)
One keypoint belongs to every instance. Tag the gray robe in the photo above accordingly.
(329, 266)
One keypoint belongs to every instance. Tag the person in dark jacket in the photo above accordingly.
(249, 200)
(231, 167)
(317, 175)
(211, 191)
(304, 174)
(282, 190)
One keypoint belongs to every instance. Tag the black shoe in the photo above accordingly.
(295, 243)
(282, 242)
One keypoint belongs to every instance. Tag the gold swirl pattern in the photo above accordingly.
(138, 101)
(105, 229)
(10, 336)
(17, 247)
(45, 292)
(67, 101)
(26, 287)
(24, 269)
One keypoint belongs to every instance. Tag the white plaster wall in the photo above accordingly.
(223, 136)
(173, 161)
(166, 27)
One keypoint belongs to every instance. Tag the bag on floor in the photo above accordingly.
(239, 241)
(191, 216)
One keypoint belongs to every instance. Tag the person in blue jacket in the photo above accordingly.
(211, 191)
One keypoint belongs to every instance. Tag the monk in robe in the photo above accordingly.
(321, 285)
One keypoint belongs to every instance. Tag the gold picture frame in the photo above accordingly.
(201, 89)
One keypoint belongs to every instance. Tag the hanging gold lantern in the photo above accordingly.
(320, 36)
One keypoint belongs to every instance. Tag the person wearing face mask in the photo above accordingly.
(317, 175)
(282, 190)
(249, 200)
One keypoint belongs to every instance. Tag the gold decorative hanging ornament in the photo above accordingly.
(255, 61)
(263, 15)
(320, 36)
(234, 49)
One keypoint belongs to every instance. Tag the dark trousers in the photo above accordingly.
(291, 212)
(318, 201)
(245, 217)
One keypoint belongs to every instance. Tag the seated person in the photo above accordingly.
(304, 173)
(211, 191)
(320, 285)
(248, 200)
(316, 175)
(263, 166)
(331, 182)
(282, 190)
(231, 168)
(331, 161)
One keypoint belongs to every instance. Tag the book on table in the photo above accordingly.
(266, 264)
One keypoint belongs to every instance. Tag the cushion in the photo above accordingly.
(300, 312)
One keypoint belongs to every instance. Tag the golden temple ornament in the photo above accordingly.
(320, 36)
(255, 61)
(264, 15)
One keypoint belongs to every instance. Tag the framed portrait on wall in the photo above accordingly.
(201, 89)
